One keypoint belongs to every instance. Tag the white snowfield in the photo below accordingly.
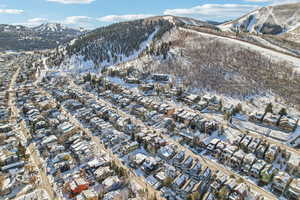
(273, 55)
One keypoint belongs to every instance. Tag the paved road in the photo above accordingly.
(36, 160)
(100, 148)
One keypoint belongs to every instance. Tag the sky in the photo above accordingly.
(95, 13)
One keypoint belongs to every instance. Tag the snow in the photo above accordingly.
(268, 44)
(77, 63)
(252, 23)
(262, 16)
(295, 137)
(273, 55)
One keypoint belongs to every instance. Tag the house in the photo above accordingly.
(180, 181)
(161, 176)
(240, 192)
(14, 165)
(267, 174)
(212, 144)
(237, 140)
(138, 159)
(89, 194)
(191, 99)
(102, 173)
(131, 147)
(293, 165)
(293, 191)
(249, 160)
(219, 181)
(245, 142)
(49, 139)
(261, 150)
(114, 195)
(112, 183)
(281, 182)
(231, 184)
(227, 152)
(67, 128)
(288, 123)
(255, 117)
(149, 165)
(190, 187)
(161, 77)
(166, 152)
(254, 145)
(153, 182)
(270, 119)
(179, 157)
(196, 169)
(271, 153)
(217, 152)
(257, 167)
(77, 186)
(237, 159)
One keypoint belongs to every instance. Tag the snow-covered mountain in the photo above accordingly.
(267, 20)
(196, 52)
(45, 36)
(124, 41)
(55, 27)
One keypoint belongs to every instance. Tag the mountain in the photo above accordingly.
(55, 28)
(267, 20)
(124, 41)
(195, 52)
(45, 36)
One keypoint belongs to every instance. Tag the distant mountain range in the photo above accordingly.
(278, 19)
(45, 36)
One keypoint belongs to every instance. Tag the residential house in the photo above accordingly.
(293, 191)
(77, 186)
(102, 173)
(281, 182)
(237, 159)
(271, 153)
(249, 160)
(257, 167)
(293, 165)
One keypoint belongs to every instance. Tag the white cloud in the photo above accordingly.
(11, 11)
(119, 18)
(37, 20)
(72, 1)
(77, 20)
(258, 1)
(276, 2)
(213, 11)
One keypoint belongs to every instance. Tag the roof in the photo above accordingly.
(108, 182)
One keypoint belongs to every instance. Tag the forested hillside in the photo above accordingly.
(118, 41)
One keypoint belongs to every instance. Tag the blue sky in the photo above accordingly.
(95, 13)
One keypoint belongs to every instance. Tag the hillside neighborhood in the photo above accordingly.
(127, 134)
(150, 107)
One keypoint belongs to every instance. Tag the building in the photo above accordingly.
(293, 191)
(77, 186)
(281, 182)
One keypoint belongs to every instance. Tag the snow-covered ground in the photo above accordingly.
(273, 55)
(78, 64)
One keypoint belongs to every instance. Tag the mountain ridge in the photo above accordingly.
(275, 20)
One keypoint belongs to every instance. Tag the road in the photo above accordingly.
(36, 160)
(211, 164)
(268, 139)
(101, 148)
